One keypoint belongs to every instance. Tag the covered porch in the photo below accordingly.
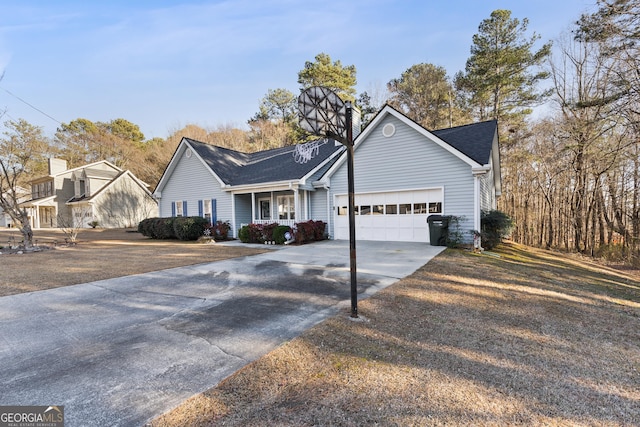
(285, 206)
(42, 212)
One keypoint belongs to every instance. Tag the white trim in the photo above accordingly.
(263, 187)
(476, 201)
(402, 190)
(233, 216)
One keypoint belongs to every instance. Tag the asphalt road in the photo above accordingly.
(120, 352)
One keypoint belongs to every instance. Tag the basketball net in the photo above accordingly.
(307, 151)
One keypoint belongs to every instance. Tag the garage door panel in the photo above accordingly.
(385, 220)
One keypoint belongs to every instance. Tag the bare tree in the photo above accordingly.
(23, 153)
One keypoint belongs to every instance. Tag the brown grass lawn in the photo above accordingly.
(518, 337)
(98, 254)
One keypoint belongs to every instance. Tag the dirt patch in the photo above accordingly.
(516, 337)
(98, 254)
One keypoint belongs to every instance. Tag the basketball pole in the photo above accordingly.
(352, 212)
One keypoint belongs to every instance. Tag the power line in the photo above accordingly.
(32, 106)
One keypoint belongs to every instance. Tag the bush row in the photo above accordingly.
(303, 232)
(181, 228)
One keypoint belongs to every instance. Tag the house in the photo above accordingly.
(402, 174)
(5, 218)
(100, 192)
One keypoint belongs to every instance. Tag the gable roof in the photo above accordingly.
(235, 168)
(474, 140)
(108, 185)
(472, 143)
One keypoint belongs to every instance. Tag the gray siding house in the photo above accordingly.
(100, 192)
(403, 174)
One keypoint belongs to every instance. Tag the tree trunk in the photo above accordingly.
(25, 229)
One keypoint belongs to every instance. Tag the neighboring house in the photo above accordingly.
(403, 174)
(5, 219)
(100, 192)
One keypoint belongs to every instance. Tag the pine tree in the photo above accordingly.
(498, 77)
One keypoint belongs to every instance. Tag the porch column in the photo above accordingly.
(234, 225)
(296, 204)
(253, 206)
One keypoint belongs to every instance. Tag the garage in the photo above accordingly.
(389, 216)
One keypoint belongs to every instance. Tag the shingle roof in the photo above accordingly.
(236, 168)
(473, 140)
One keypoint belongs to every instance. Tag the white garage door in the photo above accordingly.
(395, 216)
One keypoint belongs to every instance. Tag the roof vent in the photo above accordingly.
(188, 153)
(388, 130)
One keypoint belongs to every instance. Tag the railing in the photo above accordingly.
(288, 222)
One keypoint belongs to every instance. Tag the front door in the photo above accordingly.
(265, 209)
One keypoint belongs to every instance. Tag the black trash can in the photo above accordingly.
(438, 229)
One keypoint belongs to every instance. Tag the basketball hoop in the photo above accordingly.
(322, 112)
(305, 152)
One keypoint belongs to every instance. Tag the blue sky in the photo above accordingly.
(162, 64)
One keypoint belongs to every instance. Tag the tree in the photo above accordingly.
(498, 78)
(424, 93)
(77, 141)
(615, 28)
(275, 125)
(83, 141)
(279, 104)
(333, 75)
(23, 154)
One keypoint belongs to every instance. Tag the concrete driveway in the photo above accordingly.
(123, 351)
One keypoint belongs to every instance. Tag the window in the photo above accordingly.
(178, 205)
(286, 207)
(206, 209)
(405, 208)
(343, 210)
(419, 208)
(378, 209)
(391, 209)
(365, 210)
(435, 207)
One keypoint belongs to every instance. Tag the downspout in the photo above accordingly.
(329, 210)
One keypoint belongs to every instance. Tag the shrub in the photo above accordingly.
(189, 227)
(267, 231)
(279, 232)
(310, 231)
(220, 230)
(243, 234)
(252, 233)
(162, 228)
(157, 228)
(495, 226)
(455, 237)
(144, 226)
